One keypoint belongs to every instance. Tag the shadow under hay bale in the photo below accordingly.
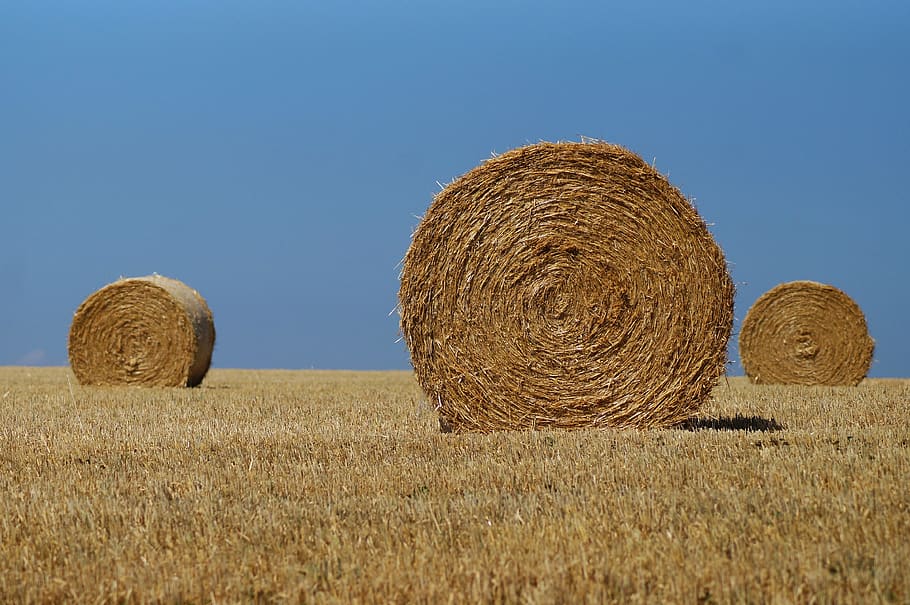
(147, 331)
(752, 424)
(807, 333)
(565, 285)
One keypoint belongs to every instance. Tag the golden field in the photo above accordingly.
(325, 487)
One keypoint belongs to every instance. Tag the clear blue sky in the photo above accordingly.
(276, 155)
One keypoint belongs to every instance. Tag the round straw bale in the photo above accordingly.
(149, 331)
(565, 285)
(804, 332)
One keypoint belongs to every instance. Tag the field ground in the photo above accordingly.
(313, 486)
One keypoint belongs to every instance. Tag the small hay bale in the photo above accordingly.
(148, 331)
(564, 285)
(804, 332)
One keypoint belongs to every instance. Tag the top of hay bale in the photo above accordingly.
(565, 285)
(805, 332)
(148, 331)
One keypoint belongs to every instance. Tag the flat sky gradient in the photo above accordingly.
(276, 156)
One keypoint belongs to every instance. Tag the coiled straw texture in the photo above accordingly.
(148, 331)
(804, 332)
(564, 285)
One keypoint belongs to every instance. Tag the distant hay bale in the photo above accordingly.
(804, 332)
(564, 285)
(148, 331)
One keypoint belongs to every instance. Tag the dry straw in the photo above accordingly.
(565, 285)
(149, 331)
(804, 332)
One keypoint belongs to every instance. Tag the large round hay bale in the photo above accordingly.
(804, 332)
(149, 331)
(564, 285)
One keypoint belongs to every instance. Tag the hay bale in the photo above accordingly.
(149, 331)
(564, 285)
(804, 332)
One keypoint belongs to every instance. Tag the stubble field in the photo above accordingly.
(292, 486)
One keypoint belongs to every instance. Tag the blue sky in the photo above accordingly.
(276, 155)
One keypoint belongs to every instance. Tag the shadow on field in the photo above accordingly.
(752, 424)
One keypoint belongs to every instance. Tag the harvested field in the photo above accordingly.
(338, 487)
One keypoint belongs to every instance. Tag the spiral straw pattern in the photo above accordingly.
(564, 285)
(804, 332)
(148, 331)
